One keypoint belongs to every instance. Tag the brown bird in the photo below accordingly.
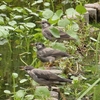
(45, 77)
(46, 54)
(48, 35)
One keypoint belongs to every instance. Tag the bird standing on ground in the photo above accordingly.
(44, 77)
(48, 35)
(46, 54)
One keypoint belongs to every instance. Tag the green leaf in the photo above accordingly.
(7, 92)
(20, 93)
(57, 15)
(81, 9)
(8, 1)
(47, 13)
(72, 33)
(29, 97)
(12, 23)
(59, 46)
(41, 92)
(23, 80)
(14, 75)
(46, 4)
(1, 20)
(75, 27)
(3, 32)
(3, 7)
(63, 22)
(71, 13)
(55, 32)
(3, 41)
(30, 25)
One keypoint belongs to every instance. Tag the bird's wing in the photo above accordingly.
(63, 34)
(53, 52)
(46, 32)
(46, 75)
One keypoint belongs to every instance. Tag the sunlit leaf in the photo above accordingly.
(72, 33)
(63, 22)
(1, 20)
(3, 41)
(23, 80)
(41, 92)
(3, 7)
(75, 27)
(29, 97)
(7, 92)
(30, 25)
(71, 13)
(47, 13)
(20, 93)
(81, 9)
(55, 32)
(36, 2)
(57, 14)
(17, 17)
(59, 46)
(46, 4)
(14, 75)
(12, 23)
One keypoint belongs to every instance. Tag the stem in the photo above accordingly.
(52, 5)
(89, 89)
(14, 90)
(97, 48)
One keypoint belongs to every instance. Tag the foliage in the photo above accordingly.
(19, 28)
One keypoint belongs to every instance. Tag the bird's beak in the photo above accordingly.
(21, 68)
(32, 44)
(38, 21)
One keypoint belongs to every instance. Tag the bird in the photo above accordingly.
(48, 35)
(45, 77)
(47, 54)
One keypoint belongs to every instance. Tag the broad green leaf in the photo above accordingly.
(46, 4)
(41, 92)
(18, 9)
(72, 33)
(23, 80)
(59, 46)
(14, 75)
(47, 13)
(12, 23)
(29, 97)
(75, 27)
(4, 33)
(18, 17)
(71, 13)
(81, 9)
(7, 92)
(20, 93)
(1, 20)
(57, 14)
(55, 32)
(63, 22)
(36, 2)
(30, 25)
(3, 41)
(3, 7)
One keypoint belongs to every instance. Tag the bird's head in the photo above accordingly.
(39, 46)
(27, 68)
(45, 24)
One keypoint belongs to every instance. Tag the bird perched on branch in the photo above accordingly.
(44, 77)
(48, 35)
(46, 54)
